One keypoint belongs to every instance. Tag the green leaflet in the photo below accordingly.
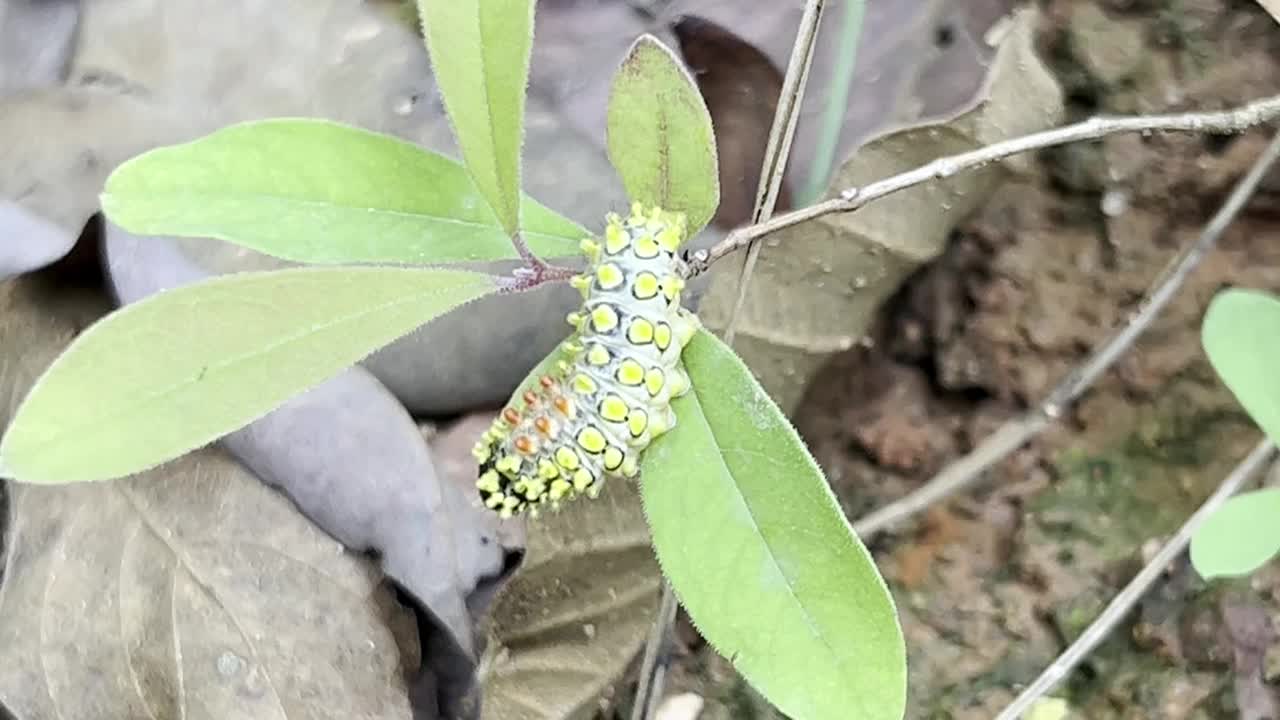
(316, 191)
(659, 135)
(180, 369)
(480, 54)
(1237, 539)
(751, 537)
(1241, 335)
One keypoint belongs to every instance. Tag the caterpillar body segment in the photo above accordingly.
(610, 394)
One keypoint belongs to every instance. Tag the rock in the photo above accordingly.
(28, 241)
(37, 38)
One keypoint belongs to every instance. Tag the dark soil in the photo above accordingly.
(992, 586)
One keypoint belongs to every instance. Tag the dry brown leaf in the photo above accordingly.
(191, 591)
(818, 285)
(1272, 7)
(571, 621)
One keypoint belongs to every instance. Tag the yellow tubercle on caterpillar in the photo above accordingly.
(654, 380)
(640, 332)
(613, 409)
(645, 286)
(598, 355)
(604, 319)
(669, 239)
(662, 336)
(567, 459)
(615, 238)
(609, 276)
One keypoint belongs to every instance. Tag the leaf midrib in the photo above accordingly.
(277, 198)
(287, 340)
(788, 583)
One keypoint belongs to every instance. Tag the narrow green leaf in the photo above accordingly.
(320, 192)
(659, 134)
(480, 54)
(1242, 535)
(1241, 336)
(756, 547)
(182, 368)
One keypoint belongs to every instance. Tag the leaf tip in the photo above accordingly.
(6, 465)
(107, 202)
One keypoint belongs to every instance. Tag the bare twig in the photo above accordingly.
(777, 151)
(531, 276)
(1014, 434)
(526, 253)
(1234, 120)
(653, 668)
(1138, 586)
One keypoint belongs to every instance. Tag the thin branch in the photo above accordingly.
(778, 150)
(785, 119)
(1014, 434)
(653, 666)
(528, 278)
(1226, 121)
(1137, 587)
(526, 253)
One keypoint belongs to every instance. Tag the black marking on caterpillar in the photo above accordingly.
(610, 396)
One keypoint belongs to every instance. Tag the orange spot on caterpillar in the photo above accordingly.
(530, 399)
(547, 381)
(563, 405)
(525, 445)
(543, 425)
(511, 416)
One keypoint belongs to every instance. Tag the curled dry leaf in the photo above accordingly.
(570, 623)
(818, 285)
(191, 591)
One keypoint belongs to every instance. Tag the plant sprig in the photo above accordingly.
(322, 193)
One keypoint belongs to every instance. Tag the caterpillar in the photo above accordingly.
(610, 395)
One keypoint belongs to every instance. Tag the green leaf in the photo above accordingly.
(1237, 539)
(320, 192)
(762, 558)
(182, 368)
(480, 53)
(659, 135)
(1241, 335)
